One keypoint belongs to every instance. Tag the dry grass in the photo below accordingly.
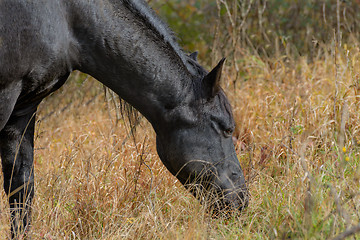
(298, 140)
(298, 146)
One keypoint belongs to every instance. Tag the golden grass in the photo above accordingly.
(298, 140)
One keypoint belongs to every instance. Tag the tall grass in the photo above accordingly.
(297, 138)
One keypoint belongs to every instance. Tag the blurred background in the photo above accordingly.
(260, 27)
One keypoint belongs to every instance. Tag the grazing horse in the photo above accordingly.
(124, 45)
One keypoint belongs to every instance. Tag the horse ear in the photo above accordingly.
(211, 82)
(194, 55)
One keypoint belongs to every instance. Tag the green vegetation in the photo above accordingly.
(267, 28)
(293, 78)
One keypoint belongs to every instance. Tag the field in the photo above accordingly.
(297, 139)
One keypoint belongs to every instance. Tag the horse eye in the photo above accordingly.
(228, 132)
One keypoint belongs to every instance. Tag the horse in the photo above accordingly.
(127, 47)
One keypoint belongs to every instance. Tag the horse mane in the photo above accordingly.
(147, 15)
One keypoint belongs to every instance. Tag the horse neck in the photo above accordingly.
(131, 56)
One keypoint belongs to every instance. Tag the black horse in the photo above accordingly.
(124, 45)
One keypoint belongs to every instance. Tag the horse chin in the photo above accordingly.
(228, 206)
(219, 203)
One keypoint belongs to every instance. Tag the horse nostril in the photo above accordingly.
(235, 176)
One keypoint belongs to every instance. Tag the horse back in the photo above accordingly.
(34, 40)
